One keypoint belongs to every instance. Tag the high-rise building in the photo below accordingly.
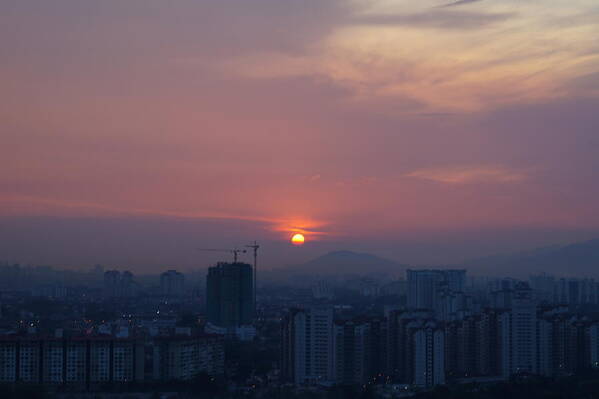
(322, 290)
(53, 364)
(85, 361)
(466, 346)
(307, 346)
(392, 342)
(565, 345)
(77, 361)
(118, 285)
(172, 284)
(488, 342)
(576, 291)
(230, 297)
(358, 350)
(183, 357)
(519, 333)
(111, 283)
(426, 286)
(399, 357)
(126, 285)
(29, 361)
(594, 345)
(544, 287)
(429, 355)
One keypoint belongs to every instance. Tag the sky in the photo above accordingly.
(432, 131)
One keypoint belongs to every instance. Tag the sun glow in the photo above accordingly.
(298, 239)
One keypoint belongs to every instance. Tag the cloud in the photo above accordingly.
(469, 174)
(458, 3)
(28, 205)
(437, 19)
(395, 60)
(22, 205)
(309, 228)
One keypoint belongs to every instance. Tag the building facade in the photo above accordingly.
(435, 289)
(519, 333)
(77, 361)
(230, 297)
(429, 355)
(85, 362)
(307, 346)
(172, 284)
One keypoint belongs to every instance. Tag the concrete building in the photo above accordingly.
(397, 288)
(399, 358)
(429, 355)
(28, 354)
(119, 285)
(544, 288)
(53, 364)
(594, 345)
(79, 361)
(426, 286)
(111, 283)
(99, 359)
(322, 290)
(184, 357)
(307, 346)
(488, 343)
(8, 361)
(76, 361)
(230, 297)
(565, 345)
(358, 350)
(127, 287)
(519, 333)
(172, 284)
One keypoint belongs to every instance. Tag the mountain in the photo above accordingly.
(348, 262)
(578, 259)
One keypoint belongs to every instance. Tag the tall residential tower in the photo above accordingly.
(230, 295)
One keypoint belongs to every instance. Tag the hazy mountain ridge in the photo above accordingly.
(348, 262)
(577, 259)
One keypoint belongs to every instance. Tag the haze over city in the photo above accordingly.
(428, 132)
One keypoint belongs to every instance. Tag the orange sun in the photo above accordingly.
(298, 239)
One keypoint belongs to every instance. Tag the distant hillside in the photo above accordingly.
(579, 259)
(347, 262)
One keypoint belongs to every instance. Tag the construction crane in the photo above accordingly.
(235, 252)
(255, 247)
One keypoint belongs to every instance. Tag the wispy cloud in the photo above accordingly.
(458, 3)
(469, 174)
(19, 205)
(29, 205)
(394, 55)
(438, 19)
(306, 227)
(310, 179)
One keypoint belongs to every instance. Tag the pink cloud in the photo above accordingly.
(469, 174)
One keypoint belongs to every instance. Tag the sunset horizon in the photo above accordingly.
(299, 199)
(428, 132)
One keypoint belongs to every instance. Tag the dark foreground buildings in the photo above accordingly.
(230, 295)
(417, 347)
(86, 361)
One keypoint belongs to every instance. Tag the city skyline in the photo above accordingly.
(299, 199)
(427, 132)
